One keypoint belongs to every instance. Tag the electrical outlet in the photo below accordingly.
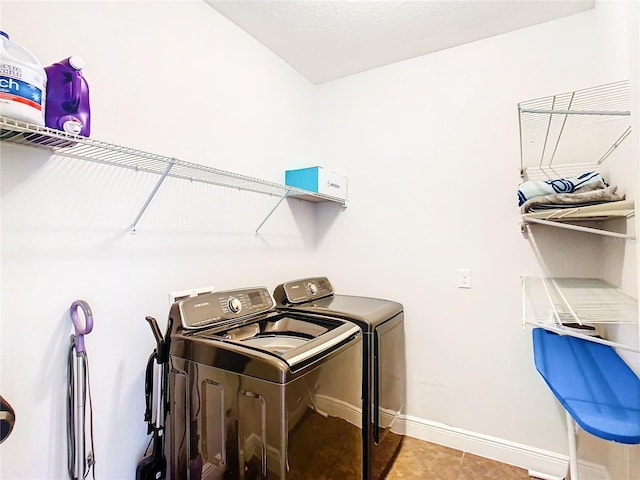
(464, 278)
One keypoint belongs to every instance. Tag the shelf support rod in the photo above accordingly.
(522, 169)
(615, 145)
(623, 113)
(271, 212)
(564, 122)
(570, 226)
(150, 197)
(546, 137)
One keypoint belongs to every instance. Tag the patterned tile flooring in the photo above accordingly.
(419, 460)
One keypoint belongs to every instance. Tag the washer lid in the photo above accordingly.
(271, 343)
(365, 311)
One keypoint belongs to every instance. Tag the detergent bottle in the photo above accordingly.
(67, 107)
(23, 83)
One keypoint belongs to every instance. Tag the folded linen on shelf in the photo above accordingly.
(554, 206)
(567, 200)
(538, 188)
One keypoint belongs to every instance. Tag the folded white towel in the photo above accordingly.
(538, 188)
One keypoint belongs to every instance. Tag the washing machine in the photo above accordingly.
(255, 393)
(383, 359)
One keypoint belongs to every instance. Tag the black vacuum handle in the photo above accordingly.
(156, 332)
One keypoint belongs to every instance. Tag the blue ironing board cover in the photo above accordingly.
(592, 383)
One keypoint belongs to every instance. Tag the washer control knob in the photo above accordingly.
(234, 304)
(312, 288)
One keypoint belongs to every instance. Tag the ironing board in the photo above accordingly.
(596, 388)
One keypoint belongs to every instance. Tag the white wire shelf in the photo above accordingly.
(583, 127)
(552, 303)
(605, 211)
(74, 146)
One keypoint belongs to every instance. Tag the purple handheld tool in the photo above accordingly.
(81, 330)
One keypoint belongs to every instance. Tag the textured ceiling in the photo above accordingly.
(325, 40)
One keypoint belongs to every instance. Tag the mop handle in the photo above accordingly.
(81, 330)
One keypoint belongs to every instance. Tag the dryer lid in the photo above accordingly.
(316, 295)
(362, 310)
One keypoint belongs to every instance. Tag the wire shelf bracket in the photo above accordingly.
(150, 197)
(271, 212)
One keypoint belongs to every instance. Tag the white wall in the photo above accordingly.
(430, 147)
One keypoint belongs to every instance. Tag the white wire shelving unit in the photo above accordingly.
(573, 130)
(83, 148)
(552, 303)
(571, 133)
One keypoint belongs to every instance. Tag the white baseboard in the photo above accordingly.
(543, 476)
(547, 465)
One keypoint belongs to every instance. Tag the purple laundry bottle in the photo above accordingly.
(67, 106)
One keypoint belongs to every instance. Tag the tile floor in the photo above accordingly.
(419, 460)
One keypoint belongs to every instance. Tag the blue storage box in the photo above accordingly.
(318, 180)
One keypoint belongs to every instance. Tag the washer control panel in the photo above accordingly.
(210, 308)
(303, 290)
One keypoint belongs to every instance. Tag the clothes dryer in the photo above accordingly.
(383, 360)
(251, 391)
